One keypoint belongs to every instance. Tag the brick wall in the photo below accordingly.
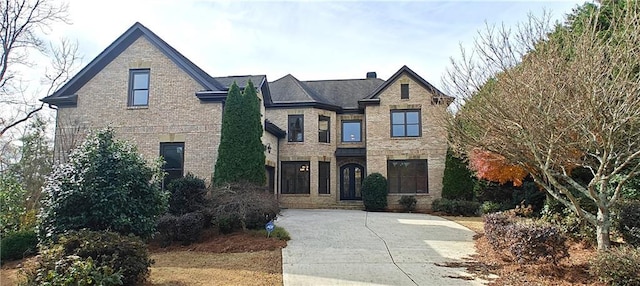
(431, 145)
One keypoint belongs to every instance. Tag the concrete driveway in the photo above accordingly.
(347, 247)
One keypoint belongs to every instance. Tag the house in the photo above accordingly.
(321, 137)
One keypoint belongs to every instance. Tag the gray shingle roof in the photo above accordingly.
(338, 93)
(344, 93)
(241, 80)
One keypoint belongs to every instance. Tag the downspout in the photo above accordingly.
(277, 175)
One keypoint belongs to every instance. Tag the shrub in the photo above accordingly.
(490, 207)
(529, 195)
(187, 195)
(617, 266)
(530, 242)
(572, 226)
(17, 245)
(278, 232)
(627, 221)
(456, 207)
(374, 192)
(126, 255)
(243, 204)
(408, 203)
(495, 229)
(106, 185)
(70, 270)
(166, 228)
(189, 227)
(458, 181)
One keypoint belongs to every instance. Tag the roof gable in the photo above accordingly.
(406, 70)
(136, 31)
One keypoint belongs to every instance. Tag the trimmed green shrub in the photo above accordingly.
(617, 266)
(126, 255)
(189, 227)
(106, 185)
(408, 203)
(243, 205)
(188, 194)
(490, 207)
(458, 181)
(456, 207)
(17, 245)
(374, 192)
(70, 270)
(627, 221)
(166, 228)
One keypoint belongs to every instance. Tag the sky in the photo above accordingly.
(312, 40)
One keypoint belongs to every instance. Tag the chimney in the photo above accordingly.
(372, 75)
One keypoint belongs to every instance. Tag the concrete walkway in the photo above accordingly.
(346, 247)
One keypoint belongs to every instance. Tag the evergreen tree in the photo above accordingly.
(458, 181)
(241, 153)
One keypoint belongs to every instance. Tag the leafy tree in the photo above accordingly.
(457, 182)
(12, 206)
(35, 162)
(241, 153)
(557, 103)
(106, 185)
(494, 167)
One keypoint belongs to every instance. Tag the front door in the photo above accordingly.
(351, 176)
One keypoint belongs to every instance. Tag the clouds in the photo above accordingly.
(311, 40)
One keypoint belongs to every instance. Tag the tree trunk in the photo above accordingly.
(602, 229)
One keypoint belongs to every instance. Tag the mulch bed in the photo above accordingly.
(235, 242)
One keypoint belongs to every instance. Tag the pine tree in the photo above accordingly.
(241, 153)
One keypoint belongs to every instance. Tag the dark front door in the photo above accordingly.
(351, 176)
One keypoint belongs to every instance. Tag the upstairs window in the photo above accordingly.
(405, 123)
(296, 128)
(139, 87)
(323, 129)
(404, 91)
(352, 131)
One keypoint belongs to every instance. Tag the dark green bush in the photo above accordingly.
(627, 221)
(408, 203)
(243, 205)
(456, 207)
(189, 227)
(528, 195)
(530, 243)
(188, 194)
(166, 228)
(490, 207)
(458, 181)
(374, 192)
(617, 266)
(17, 245)
(106, 185)
(494, 192)
(126, 255)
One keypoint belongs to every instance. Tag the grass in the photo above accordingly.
(278, 232)
(473, 223)
(202, 268)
